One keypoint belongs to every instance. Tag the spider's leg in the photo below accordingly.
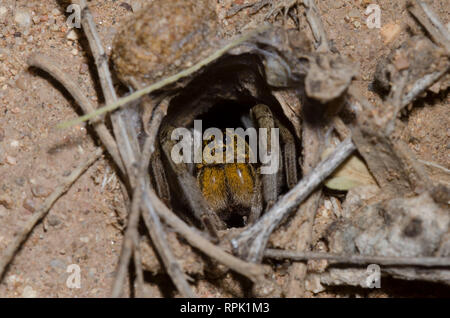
(257, 203)
(263, 118)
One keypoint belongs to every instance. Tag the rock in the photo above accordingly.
(23, 18)
(40, 191)
(126, 6)
(29, 292)
(6, 201)
(72, 35)
(30, 205)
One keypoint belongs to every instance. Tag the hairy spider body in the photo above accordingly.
(228, 186)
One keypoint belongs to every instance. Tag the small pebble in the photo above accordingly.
(29, 205)
(29, 292)
(36, 19)
(53, 220)
(54, 28)
(40, 191)
(72, 35)
(21, 83)
(84, 239)
(56, 12)
(6, 201)
(126, 6)
(20, 181)
(74, 52)
(84, 68)
(11, 160)
(22, 18)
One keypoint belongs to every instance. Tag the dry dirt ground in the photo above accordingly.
(83, 227)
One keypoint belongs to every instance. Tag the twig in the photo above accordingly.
(138, 265)
(315, 22)
(159, 239)
(169, 80)
(101, 60)
(23, 233)
(421, 85)
(251, 243)
(254, 272)
(151, 219)
(48, 65)
(359, 259)
(434, 165)
(129, 151)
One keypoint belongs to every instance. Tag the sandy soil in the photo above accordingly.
(83, 227)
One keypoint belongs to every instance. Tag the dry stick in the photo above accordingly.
(251, 243)
(431, 23)
(295, 285)
(164, 82)
(65, 185)
(315, 22)
(421, 85)
(129, 152)
(48, 65)
(159, 239)
(359, 259)
(127, 149)
(101, 60)
(253, 271)
(439, 34)
(138, 265)
(149, 215)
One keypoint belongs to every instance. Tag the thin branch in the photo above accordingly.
(359, 259)
(434, 165)
(430, 21)
(101, 60)
(251, 243)
(421, 85)
(253, 271)
(48, 65)
(23, 233)
(164, 82)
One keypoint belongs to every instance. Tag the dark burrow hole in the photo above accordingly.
(216, 99)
